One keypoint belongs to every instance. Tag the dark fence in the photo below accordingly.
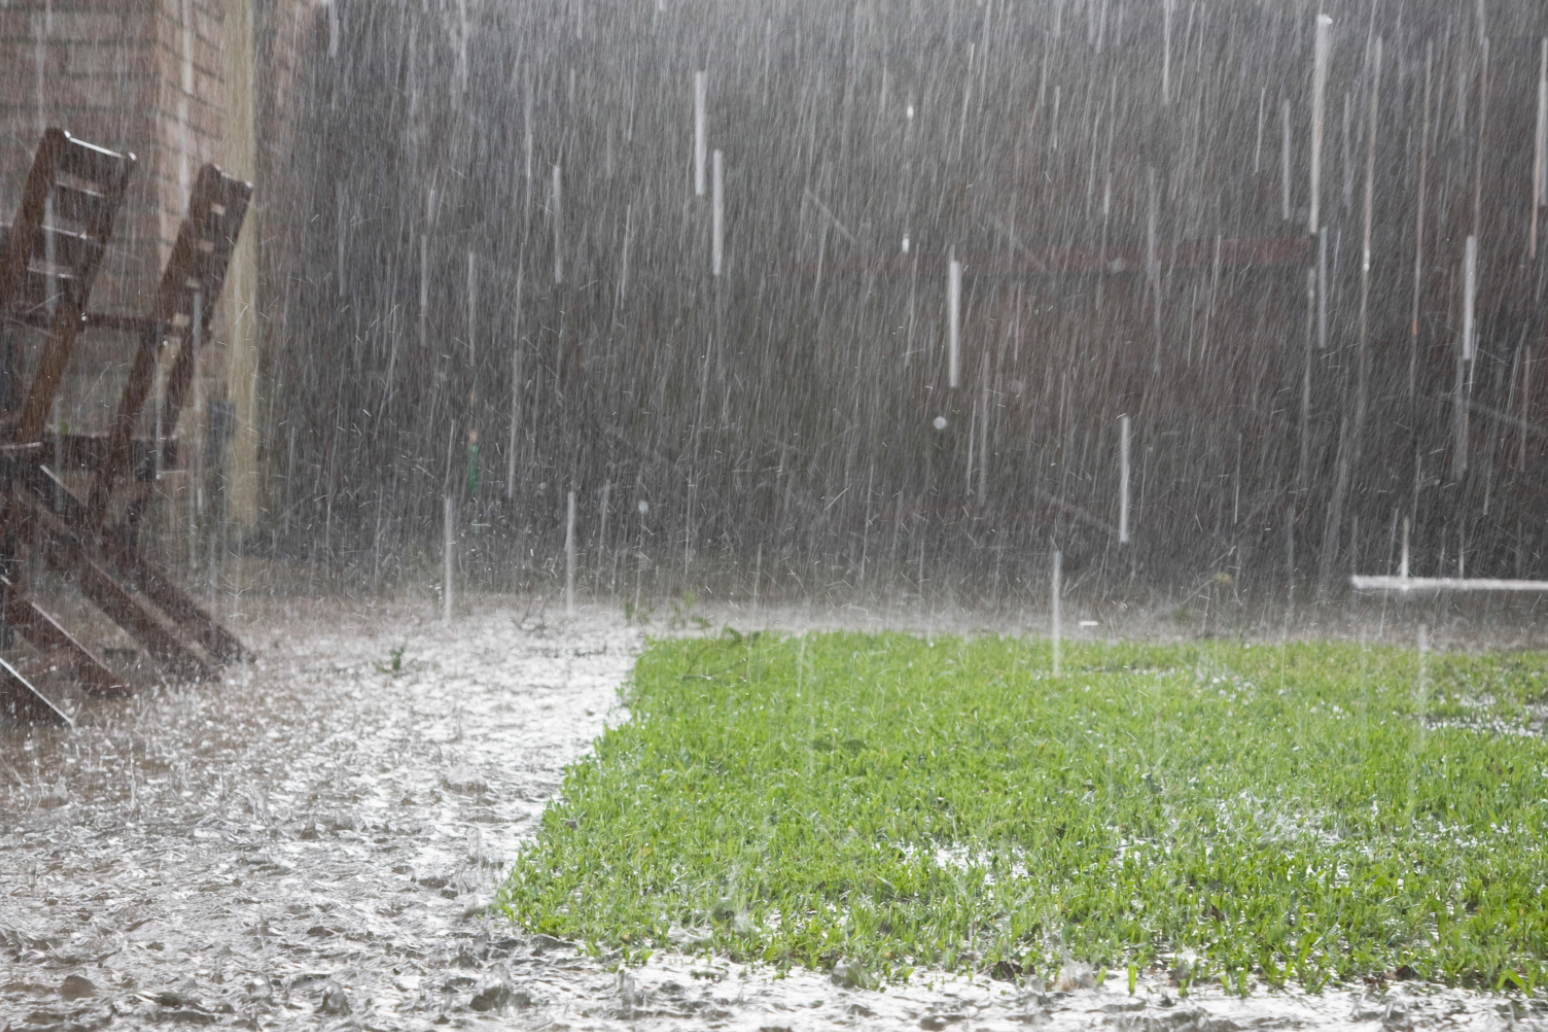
(497, 280)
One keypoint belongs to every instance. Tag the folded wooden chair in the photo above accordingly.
(79, 536)
(183, 310)
(48, 262)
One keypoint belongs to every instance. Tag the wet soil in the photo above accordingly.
(313, 842)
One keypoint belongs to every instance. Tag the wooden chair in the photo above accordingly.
(48, 262)
(79, 537)
(183, 310)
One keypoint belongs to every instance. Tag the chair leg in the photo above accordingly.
(25, 703)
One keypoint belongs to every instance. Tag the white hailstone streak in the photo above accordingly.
(1540, 151)
(700, 130)
(1323, 44)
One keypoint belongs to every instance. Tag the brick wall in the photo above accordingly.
(154, 77)
(140, 75)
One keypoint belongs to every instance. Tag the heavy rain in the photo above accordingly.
(379, 379)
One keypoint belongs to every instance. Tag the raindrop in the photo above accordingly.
(700, 130)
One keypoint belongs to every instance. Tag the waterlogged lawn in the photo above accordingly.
(1288, 814)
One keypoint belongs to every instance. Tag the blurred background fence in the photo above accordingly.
(694, 262)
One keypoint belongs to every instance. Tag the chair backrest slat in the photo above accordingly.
(51, 255)
(197, 266)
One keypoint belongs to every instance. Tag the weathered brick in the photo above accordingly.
(102, 59)
(113, 74)
(84, 26)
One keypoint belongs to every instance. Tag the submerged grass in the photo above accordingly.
(1291, 814)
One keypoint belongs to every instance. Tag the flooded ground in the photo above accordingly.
(313, 842)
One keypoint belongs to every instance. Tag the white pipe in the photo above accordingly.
(983, 431)
(1407, 584)
(341, 201)
(1058, 562)
(1469, 298)
(424, 289)
(717, 248)
(558, 225)
(954, 324)
(473, 311)
(1403, 561)
(569, 556)
(1123, 481)
(1284, 160)
(449, 549)
(757, 576)
(510, 458)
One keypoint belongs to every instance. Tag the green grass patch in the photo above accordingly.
(1298, 814)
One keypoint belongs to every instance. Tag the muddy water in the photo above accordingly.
(312, 843)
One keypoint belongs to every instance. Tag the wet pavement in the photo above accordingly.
(312, 844)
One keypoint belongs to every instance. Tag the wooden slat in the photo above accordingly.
(25, 703)
(89, 209)
(77, 251)
(193, 619)
(40, 289)
(99, 166)
(199, 261)
(44, 632)
(68, 554)
(127, 323)
(221, 229)
(50, 370)
(14, 260)
(122, 557)
(22, 290)
(89, 451)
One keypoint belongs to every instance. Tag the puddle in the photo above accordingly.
(311, 844)
(315, 837)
